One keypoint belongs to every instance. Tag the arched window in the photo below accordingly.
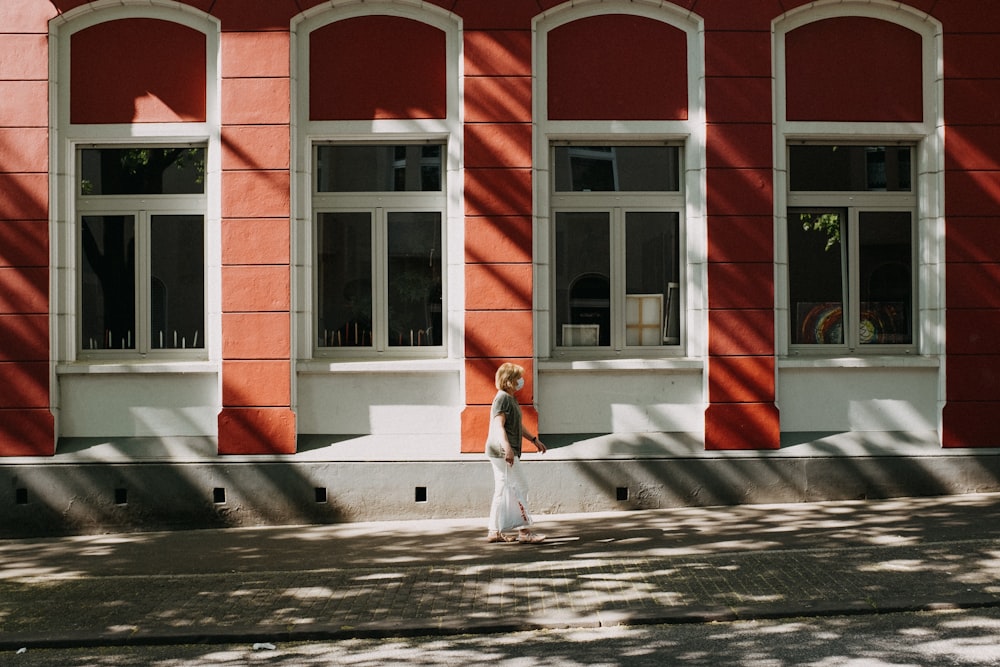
(378, 185)
(619, 165)
(135, 156)
(857, 150)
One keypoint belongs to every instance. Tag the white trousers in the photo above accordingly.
(505, 474)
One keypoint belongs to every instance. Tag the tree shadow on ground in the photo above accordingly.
(395, 579)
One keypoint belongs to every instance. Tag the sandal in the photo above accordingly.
(530, 538)
(492, 538)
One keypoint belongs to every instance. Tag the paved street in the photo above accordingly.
(949, 638)
(440, 577)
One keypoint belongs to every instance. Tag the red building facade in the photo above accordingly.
(715, 222)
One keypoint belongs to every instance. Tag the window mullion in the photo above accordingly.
(851, 277)
(143, 260)
(618, 261)
(917, 268)
(380, 267)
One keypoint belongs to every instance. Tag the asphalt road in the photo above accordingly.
(947, 638)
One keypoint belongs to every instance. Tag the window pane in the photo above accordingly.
(344, 270)
(171, 170)
(177, 281)
(583, 279)
(652, 311)
(379, 168)
(617, 169)
(816, 275)
(108, 283)
(886, 265)
(414, 264)
(824, 168)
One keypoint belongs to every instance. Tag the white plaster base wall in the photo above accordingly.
(380, 403)
(621, 401)
(858, 399)
(66, 495)
(138, 404)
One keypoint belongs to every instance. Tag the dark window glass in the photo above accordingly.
(617, 169)
(108, 283)
(827, 168)
(816, 261)
(379, 168)
(345, 279)
(414, 279)
(142, 171)
(886, 252)
(583, 279)
(177, 281)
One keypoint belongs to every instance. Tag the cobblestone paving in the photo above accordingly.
(547, 593)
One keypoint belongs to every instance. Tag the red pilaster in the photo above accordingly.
(972, 244)
(256, 415)
(741, 376)
(498, 220)
(27, 426)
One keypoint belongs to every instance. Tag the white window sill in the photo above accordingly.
(874, 361)
(618, 365)
(136, 367)
(323, 366)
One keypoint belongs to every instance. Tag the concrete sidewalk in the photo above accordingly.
(433, 577)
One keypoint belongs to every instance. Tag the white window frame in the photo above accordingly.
(307, 134)
(617, 205)
(855, 204)
(67, 207)
(143, 208)
(381, 204)
(689, 134)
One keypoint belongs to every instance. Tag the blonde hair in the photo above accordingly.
(507, 376)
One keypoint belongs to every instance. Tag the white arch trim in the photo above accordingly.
(305, 132)
(692, 132)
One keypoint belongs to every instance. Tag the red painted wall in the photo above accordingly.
(741, 378)
(617, 67)
(498, 211)
(137, 71)
(972, 237)
(26, 423)
(854, 69)
(599, 68)
(256, 415)
(377, 67)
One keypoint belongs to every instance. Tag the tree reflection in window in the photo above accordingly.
(169, 170)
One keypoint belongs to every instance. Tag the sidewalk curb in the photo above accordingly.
(451, 627)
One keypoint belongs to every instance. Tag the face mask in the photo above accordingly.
(519, 385)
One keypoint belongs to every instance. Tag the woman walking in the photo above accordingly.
(503, 447)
